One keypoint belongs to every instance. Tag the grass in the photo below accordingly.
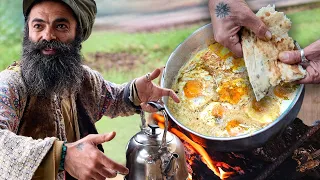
(155, 49)
(9, 54)
(305, 26)
(125, 127)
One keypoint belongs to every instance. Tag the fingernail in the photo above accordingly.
(268, 35)
(284, 56)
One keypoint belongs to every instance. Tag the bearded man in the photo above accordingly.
(49, 101)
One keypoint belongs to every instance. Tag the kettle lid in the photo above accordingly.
(152, 136)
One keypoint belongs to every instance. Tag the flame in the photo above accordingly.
(223, 174)
(189, 176)
(158, 117)
(205, 157)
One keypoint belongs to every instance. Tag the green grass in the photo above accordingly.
(305, 26)
(125, 127)
(9, 54)
(155, 49)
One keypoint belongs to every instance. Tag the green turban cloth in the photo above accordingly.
(84, 10)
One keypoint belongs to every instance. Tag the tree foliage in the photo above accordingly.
(11, 19)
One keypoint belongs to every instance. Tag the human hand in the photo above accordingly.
(312, 53)
(228, 16)
(85, 161)
(148, 91)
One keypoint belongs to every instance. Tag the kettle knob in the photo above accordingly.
(153, 128)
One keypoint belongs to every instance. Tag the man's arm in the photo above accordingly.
(19, 156)
(101, 97)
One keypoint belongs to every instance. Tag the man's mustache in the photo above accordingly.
(56, 45)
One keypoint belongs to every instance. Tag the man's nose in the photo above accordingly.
(49, 35)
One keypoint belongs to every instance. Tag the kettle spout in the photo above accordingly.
(170, 168)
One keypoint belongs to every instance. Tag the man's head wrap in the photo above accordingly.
(84, 10)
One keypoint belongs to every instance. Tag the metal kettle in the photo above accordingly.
(154, 153)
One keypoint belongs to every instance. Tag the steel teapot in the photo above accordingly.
(155, 154)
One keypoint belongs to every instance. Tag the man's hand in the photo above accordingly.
(228, 16)
(85, 161)
(148, 91)
(312, 53)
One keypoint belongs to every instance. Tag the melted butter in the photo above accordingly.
(284, 91)
(237, 64)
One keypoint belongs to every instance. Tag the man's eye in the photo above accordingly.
(61, 26)
(37, 26)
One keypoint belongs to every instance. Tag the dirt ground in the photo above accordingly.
(120, 61)
(184, 17)
(185, 13)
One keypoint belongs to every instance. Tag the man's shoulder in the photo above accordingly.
(90, 73)
(12, 74)
(15, 67)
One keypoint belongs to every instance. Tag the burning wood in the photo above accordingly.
(269, 161)
(216, 167)
(306, 160)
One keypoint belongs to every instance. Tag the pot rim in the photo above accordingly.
(287, 111)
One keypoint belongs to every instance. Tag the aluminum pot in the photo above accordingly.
(200, 39)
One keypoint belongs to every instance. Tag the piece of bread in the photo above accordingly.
(261, 57)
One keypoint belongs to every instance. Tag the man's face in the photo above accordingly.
(51, 21)
(51, 61)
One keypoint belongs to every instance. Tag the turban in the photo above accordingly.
(84, 10)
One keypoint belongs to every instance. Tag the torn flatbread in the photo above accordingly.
(261, 57)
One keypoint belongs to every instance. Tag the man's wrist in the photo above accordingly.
(63, 156)
(130, 97)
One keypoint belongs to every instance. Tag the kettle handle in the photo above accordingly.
(158, 106)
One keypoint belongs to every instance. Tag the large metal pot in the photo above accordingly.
(197, 41)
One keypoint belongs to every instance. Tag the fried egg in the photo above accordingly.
(213, 113)
(264, 111)
(196, 89)
(233, 90)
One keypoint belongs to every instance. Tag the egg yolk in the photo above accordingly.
(260, 106)
(283, 91)
(193, 88)
(217, 111)
(233, 127)
(232, 91)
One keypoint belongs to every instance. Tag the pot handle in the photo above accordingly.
(156, 105)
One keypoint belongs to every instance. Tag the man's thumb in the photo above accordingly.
(101, 138)
(290, 57)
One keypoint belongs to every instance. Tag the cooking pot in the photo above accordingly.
(200, 39)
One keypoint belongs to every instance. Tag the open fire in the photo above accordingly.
(270, 161)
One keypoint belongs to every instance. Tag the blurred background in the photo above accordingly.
(131, 38)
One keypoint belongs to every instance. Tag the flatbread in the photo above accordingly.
(261, 57)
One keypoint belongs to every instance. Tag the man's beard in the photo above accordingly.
(45, 75)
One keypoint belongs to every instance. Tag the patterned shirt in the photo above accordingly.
(20, 156)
